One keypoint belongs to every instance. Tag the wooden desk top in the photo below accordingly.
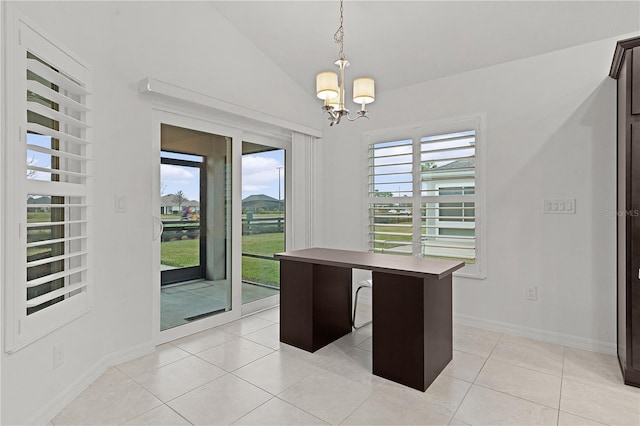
(394, 264)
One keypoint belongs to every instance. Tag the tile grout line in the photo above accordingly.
(244, 365)
(460, 404)
(252, 410)
(359, 405)
(269, 392)
(155, 368)
(301, 409)
(515, 396)
(185, 419)
(186, 392)
(576, 381)
(518, 397)
(258, 343)
(275, 396)
(210, 347)
(474, 379)
(564, 350)
(487, 359)
(324, 370)
(155, 408)
(528, 368)
(372, 393)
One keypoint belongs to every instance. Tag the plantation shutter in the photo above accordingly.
(422, 196)
(447, 178)
(54, 208)
(390, 187)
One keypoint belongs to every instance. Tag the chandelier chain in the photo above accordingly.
(338, 37)
(329, 84)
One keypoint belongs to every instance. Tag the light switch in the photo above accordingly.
(565, 206)
(120, 204)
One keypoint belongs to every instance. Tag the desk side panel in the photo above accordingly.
(398, 329)
(331, 304)
(296, 304)
(438, 326)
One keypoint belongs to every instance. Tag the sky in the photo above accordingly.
(393, 161)
(260, 175)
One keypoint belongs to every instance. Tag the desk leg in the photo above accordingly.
(412, 328)
(315, 304)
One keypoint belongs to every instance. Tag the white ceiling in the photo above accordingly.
(401, 43)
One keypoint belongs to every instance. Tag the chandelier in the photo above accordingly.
(330, 86)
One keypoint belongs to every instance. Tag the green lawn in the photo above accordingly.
(266, 244)
(262, 270)
(38, 217)
(182, 253)
(394, 240)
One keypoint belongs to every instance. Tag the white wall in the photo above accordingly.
(184, 43)
(550, 133)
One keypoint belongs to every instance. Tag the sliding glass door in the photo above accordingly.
(264, 223)
(195, 208)
(221, 207)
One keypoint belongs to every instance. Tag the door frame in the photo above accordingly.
(190, 272)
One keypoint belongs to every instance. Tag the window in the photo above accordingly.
(50, 269)
(423, 195)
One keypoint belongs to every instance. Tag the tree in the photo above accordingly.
(163, 188)
(383, 194)
(31, 174)
(428, 165)
(180, 198)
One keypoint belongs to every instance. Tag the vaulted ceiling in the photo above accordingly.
(401, 43)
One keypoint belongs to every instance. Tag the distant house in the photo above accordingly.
(254, 203)
(169, 205)
(450, 230)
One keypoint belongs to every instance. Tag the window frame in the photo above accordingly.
(23, 328)
(415, 132)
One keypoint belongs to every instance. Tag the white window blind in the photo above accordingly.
(53, 205)
(422, 195)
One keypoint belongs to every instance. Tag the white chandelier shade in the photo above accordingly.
(327, 85)
(364, 90)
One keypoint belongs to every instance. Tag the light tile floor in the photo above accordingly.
(240, 373)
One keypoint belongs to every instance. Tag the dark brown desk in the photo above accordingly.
(413, 331)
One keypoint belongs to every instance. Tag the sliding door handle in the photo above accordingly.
(158, 227)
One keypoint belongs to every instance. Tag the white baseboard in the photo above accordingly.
(66, 396)
(577, 342)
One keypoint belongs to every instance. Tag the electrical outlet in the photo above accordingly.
(532, 293)
(58, 356)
